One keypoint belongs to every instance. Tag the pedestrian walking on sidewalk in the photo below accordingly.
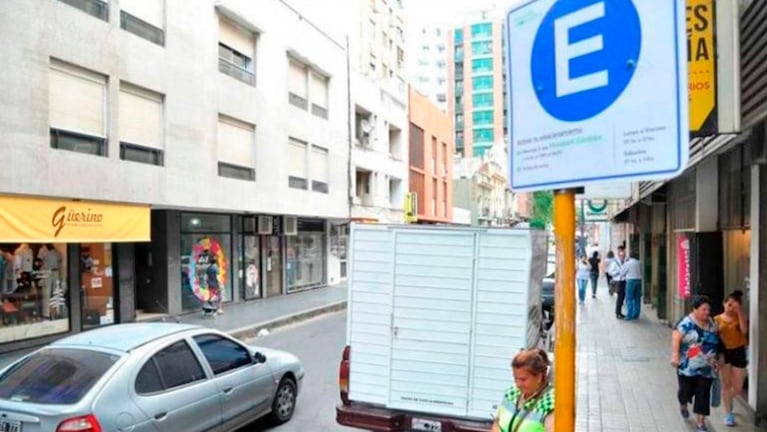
(631, 272)
(694, 354)
(527, 406)
(733, 330)
(582, 275)
(616, 270)
(594, 262)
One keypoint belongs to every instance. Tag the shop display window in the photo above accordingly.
(306, 256)
(97, 284)
(206, 246)
(33, 291)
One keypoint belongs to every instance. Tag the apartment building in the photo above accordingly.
(476, 86)
(427, 61)
(149, 145)
(431, 160)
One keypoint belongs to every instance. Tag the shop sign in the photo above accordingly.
(701, 67)
(411, 207)
(595, 211)
(683, 266)
(24, 219)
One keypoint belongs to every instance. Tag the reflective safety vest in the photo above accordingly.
(530, 417)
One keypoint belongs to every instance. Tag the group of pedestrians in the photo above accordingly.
(709, 355)
(624, 278)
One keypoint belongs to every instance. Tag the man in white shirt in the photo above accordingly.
(631, 272)
(616, 271)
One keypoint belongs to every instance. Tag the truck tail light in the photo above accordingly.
(87, 423)
(343, 375)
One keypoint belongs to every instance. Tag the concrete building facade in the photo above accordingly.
(228, 118)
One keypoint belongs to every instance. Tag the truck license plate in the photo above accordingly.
(426, 425)
(10, 426)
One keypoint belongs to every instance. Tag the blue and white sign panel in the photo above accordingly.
(598, 92)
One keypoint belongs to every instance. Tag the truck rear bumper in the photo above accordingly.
(380, 419)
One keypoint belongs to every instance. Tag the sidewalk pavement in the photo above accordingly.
(244, 320)
(625, 382)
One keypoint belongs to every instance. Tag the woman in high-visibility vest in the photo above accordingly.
(527, 406)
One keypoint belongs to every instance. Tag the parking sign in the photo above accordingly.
(597, 92)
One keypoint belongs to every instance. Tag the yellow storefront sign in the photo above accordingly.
(411, 207)
(701, 63)
(37, 220)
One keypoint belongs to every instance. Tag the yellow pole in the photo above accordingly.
(564, 352)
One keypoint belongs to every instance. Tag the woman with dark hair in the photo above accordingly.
(527, 406)
(594, 262)
(695, 346)
(733, 329)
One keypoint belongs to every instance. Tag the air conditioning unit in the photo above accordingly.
(265, 225)
(290, 227)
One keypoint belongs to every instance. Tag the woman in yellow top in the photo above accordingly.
(733, 328)
(527, 406)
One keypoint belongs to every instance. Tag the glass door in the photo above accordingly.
(252, 267)
(97, 285)
(272, 258)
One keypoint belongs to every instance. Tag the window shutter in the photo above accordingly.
(150, 11)
(298, 79)
(319, 90)
(319, 164)
(140, 113)
(236, 37)
(297, 159)
(77, 100)
(236, 142)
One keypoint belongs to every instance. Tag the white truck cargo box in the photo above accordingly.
(436, 314)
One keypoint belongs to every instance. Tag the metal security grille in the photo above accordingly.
(753, 52)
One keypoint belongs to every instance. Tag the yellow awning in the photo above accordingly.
(39, 220)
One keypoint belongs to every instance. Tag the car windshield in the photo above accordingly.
(55, 376)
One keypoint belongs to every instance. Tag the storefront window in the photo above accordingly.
(251, 267)
(96, 284)
(206, 245)
(306, 256)
(737, 252)
(33, 291)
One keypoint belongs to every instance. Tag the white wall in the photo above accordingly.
(185, 71)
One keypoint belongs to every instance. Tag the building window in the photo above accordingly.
(236, 51)
(298, 85)
(416, 146)
(362, 182)
(484, 100)
(144, 19)
(434, 193)
(96, 280)
(459, 53)
(96, 8)
(306, 256)
(482, 65)
(458, 36)
(483, 135)
(482, 83)
(319, 95)
(482, 117)
(297, 173)
(735, 189)
(306, 85)
(236, 149)
(34, 286)
(459, 121)
(206, 258)
(140, 125)
(484, 30)
(482, 48)
(434, 155)
(319, 166)
(77, 104)
(444, 159)
(441, 98)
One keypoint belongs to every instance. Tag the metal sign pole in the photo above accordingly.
(564, 351)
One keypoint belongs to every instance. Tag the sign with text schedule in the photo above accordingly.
(598, 92)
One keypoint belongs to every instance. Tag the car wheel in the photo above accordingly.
(284, 401)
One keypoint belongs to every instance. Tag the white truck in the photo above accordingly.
(435, 315)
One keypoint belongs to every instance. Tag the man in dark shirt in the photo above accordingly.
(594, 262)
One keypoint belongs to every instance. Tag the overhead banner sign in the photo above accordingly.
(37, 220)
(598, 92)
(701, 64)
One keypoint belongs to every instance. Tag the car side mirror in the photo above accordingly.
(259, 358)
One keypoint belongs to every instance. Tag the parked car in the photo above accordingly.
(147, 377)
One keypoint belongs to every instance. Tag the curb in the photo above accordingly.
(251, 331)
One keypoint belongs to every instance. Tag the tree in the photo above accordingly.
(543, 204)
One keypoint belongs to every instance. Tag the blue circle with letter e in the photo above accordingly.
(584, 56)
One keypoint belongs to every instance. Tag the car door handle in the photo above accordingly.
(228, 390)
(161, 416)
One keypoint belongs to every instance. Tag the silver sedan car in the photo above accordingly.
(157, 377)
